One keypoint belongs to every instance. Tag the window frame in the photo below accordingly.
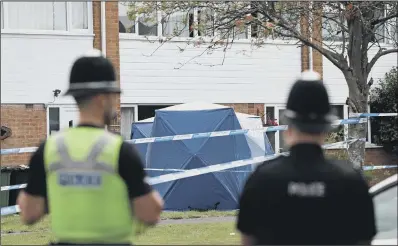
(69, 30)
(281, 106)
(135, 109)
(384, 42)
(248, 40)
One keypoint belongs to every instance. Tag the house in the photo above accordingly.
(40, 40)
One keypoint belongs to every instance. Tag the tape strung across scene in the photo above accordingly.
(188, 173)
(342, 143)
(209, 169)
(361, 115)
(197, 135)
(359, 119)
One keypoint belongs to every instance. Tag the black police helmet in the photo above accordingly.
(308, 108)
(92, 74)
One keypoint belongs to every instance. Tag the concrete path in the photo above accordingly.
(162, 222)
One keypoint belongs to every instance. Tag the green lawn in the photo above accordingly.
(200, 233)
(12, 223)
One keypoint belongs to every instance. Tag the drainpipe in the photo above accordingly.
(103, 28)
(310, 59)
(311, 67)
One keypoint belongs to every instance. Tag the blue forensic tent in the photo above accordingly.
(142, 129)
(219, 190)
(259, 143)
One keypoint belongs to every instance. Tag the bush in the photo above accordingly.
(384, 99)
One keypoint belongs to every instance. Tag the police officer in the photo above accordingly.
(304, 198)
(90, 180)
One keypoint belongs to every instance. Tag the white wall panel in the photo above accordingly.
(32, 66)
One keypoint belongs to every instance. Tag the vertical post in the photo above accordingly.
(317, 58)
(305, 31)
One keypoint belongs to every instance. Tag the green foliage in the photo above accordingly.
(334, 136)
(384, 99)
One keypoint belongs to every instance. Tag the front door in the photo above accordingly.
(69, 116)
(61, 117)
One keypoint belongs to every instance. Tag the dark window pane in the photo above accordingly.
(54, 119)
(338, 110)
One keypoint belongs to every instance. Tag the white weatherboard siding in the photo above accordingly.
(335, 80)
(32, 66)
(252, 76)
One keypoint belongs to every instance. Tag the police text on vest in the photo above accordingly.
(315, 189)
(85, 180)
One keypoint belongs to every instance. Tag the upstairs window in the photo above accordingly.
(46, 16)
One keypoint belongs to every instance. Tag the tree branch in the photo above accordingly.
(379, 54)
(333, 57)
(381, 20)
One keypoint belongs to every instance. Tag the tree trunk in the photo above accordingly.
(358, 103)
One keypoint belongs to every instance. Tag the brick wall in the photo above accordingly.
(305, 31)
(248, 108)
(29, 127)
(313, 29)
(112, 42)
(375, 157)
(317, 58)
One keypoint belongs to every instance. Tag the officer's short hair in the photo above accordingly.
(83, 100)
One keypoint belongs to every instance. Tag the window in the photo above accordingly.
(338, 132)
(282, 145)
(37, 15)
(2, 15)
(386, 213)
(269, 121)
(293, 20)
(331, 29)
(275, 116)
(54, 121)
(380, 29)
(177, 24)
(206, 22)
(127, 118)
(58, 16)
(392, 30)
(126, 24)
(148, 24)
(79, 15)
(148, 111)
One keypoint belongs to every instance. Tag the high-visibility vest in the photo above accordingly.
(88, 200)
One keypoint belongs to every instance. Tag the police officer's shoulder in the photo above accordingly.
(346, 169)
(59, 133)
(273, 164)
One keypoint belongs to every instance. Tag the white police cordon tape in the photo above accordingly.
(370, 168)
(191, 173)
(18, 150)
(10, 210)
(365, 168)
(13, 187)
(20, 186)
(361, 115)
(198, 135)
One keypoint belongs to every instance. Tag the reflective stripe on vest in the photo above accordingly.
(90, 164)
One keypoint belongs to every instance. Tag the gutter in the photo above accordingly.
(103, 29)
